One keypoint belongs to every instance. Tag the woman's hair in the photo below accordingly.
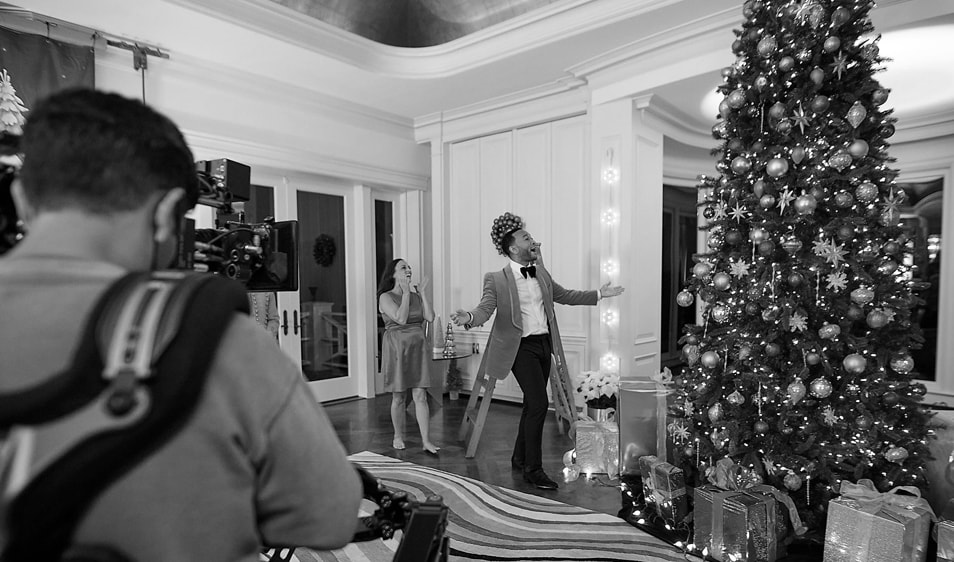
(387, 278)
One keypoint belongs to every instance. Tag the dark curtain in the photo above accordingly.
(39, 66)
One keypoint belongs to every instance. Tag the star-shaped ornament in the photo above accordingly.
(797, 322)
(840, 64)
(829, 414)
(738, 213)
(739, 269)
(801, 119)
(837, 281)
(893, 201)
(785, 198)
(770, 467)
(836, 253)
(678, 431)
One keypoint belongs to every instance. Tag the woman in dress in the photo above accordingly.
(405, 353)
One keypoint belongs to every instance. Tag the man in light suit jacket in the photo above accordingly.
(524, 334)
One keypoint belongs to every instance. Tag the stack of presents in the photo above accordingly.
(731, 516)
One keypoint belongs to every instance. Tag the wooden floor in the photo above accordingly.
(365, 425)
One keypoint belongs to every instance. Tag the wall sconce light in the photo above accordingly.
(610, 217)
(610, 175)
(610, 267)
(610, 363)
(609, 317)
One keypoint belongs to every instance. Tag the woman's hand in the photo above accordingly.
(419, 288)
(404, 284)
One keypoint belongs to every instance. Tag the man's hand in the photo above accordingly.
(606, 291)
(460, 317)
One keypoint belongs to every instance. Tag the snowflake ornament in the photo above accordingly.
(798, 322)
(719, 211)
(829, 414)
(688, 408)
(837, 281)
(678, 431)
(770, 467)
(739, 268)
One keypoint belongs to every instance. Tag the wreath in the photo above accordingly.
(324, 250)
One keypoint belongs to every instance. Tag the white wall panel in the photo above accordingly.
(496, 193)
(531, 191)
(464, 222)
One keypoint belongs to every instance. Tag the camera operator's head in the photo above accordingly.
(109, 173)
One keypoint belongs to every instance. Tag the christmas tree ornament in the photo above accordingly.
(858, 148)
(896, 454)
(728, 72)
(887, 266)
(820, 103)
(891, 216)
(691, 354)
(715, 412)
(791, 244)
(856, 114)
(877, 319)
(767, 46)
(776, 167)
(711, 359)
(773, 349)
(745, 352)
(817, 16)
(863, 422)
(784, 126)
(720, 313)
(724, 109)
(840, 16)
(721, 281)
(798, 154)
(708, 212)
(820, 387)
(845, 232)
(890, 398)
(812, 358)
(804, 55)
(733, 237)
(831, 44)
(720, 130)
(777, 111)
(843, 199)
(771, 313)
(886, 130)
(735, 398)
(795, 279)
(786, 63)
(903, 364)
(761, 427)
(734, 144)
(854, 363)
(758, 188)
(862, 295)
(866, 192)
(870, 52)
(761, 82)
(701, 270)
(855, 312)
(767, 201)
(840, 160)
(817, 75)
(796, 391)
(766, 247)
(684, 298)
(792, 481)
(879, 96)
(805, 204)
(741, 165)
(751, 308)
(829, 331)
(758, 234)
(689, 450)
(736, 98)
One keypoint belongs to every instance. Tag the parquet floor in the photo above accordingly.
(365, 425)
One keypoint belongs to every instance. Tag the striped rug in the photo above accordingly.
(487, 522)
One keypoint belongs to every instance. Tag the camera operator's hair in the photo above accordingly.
(102, 152)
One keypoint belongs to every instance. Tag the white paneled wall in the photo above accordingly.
(540, 174)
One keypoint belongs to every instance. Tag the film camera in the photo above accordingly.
(262, 256)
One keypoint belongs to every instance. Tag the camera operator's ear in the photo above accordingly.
(24, 209)
(169, 214)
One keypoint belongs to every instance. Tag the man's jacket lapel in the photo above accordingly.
(514, 298)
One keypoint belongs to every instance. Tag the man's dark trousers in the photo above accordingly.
(531, 368)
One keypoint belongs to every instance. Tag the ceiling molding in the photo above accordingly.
(527, 31)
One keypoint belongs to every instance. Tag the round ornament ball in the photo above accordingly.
(720, 130)
(840, 16)
(724, 109)
(829, 331)
(862, 295)
(720, 313)
(700, 270)
(745, 352)
(767, 201)
(689, 451)
(771, 313)
(684, 298)
(877, 319)
(692, 340)
(741, 165)
(715, 412)
(817, 75)
(710, 359)
(805, 204)
(761, 427)
(896, 454)
(854, 363)
(796, 391)
(773, 349)
(735, 99)
(795, 279)
(870, 51)
(863, 422)
(888, 266)
(821, 388)
(886, 130)
(820, 104)
(721, 281)
(733, 237)
(903, 364)
(843, 199)
(891, 248)
(879, 96)
(758, 234)
(715, 241)
(734, 144)
(855, 312)
(792, 481)
(858, 148)
(845, 232)
(751, 308)
(840, 160)
(767, 46)
(818, 192)
(890, 398)
(777, 110)
(786, 63)
(831, 44)
(708, 212)
(758, 188)
(776, 167)
(812, 358)
(766, 247)
(761, 82)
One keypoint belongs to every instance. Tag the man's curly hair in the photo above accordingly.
(502, 231)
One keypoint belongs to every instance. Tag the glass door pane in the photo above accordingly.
(383, 254)
(323, 288)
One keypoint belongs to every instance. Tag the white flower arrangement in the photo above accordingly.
(599, 389)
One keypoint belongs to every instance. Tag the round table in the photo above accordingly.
(452, 365)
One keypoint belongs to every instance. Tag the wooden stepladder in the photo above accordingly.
(561, 388)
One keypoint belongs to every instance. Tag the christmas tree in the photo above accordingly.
(11, 106)
(800, 369)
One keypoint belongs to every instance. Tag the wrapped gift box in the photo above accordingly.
(743, 528)
(940, 469)
(703, 507)
(597, 447)
(875, 527)
(945, 541)
(645, 467)
(669, 491)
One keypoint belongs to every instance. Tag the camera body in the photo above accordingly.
(262, 256)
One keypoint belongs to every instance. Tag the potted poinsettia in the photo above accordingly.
(599, 389)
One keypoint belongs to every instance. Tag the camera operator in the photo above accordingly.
(102, 191)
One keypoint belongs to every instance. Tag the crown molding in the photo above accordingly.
(525, 32)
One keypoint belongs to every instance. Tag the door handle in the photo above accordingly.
(296, 325)
(285, 322)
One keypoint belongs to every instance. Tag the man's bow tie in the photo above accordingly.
(529, 271)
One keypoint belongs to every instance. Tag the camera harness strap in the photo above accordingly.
(135, 379)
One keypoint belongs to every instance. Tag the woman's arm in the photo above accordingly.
(395, 312)
(419, 289)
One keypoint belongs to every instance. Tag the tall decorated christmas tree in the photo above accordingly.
(800, 370)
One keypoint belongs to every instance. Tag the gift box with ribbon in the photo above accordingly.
(645, 466)
(743, 528)
(642, 419)
(944, 534)
(865, 525)
(703, 507)
(597, 447)
(669, 490)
